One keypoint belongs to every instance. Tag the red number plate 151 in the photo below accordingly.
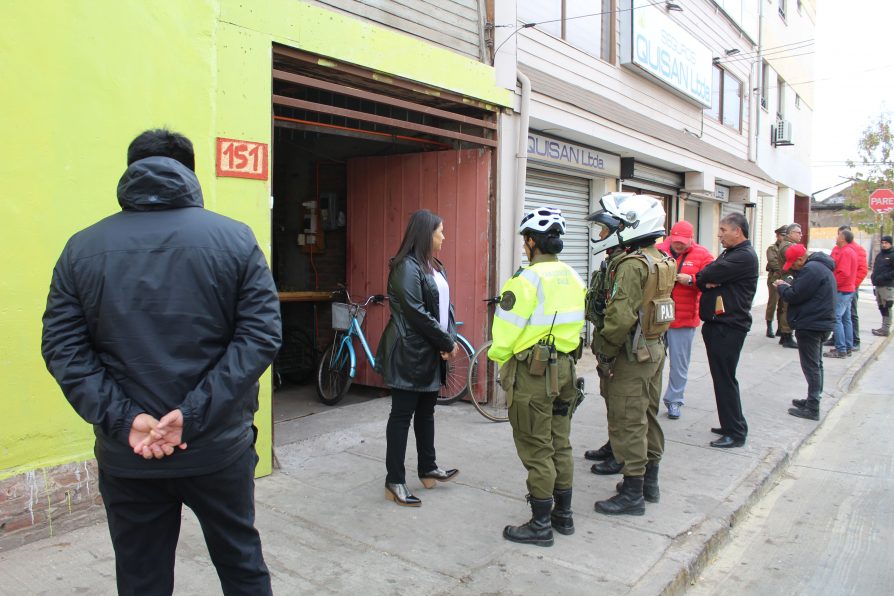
(242, 159)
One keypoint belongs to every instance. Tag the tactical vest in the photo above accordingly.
(658, 309)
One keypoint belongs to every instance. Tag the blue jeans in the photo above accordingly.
(679, 347)
(844, 329)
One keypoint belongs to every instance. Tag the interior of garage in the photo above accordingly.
(341, 138)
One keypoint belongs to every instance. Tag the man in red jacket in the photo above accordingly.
(845, 278)
(862, 272)
(691, 258)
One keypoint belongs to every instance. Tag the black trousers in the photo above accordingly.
(810, 351)
(724, 346)
(855, 317)
(420, 407)
(144, 522)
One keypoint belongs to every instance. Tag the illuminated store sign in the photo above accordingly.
(653, 43)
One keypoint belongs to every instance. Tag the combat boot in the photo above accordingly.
(561, 515)
(770, 332)
(885, 329)
(651, 494)
(788, 341)
(608, 467)
(628, 502)
(538, 530)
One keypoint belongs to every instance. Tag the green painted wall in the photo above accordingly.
(80, 80)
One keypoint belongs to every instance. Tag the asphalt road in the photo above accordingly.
(826, 525)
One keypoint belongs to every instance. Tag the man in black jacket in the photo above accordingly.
(883, 285)
(159, 322)
(728, 286)
(811, 298)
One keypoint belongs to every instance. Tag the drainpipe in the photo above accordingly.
(521, 163)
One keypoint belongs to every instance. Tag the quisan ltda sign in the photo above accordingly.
(573, 156)
(653, 44)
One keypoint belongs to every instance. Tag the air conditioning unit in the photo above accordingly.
(782, 133)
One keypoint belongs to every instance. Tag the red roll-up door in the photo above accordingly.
(382, 193)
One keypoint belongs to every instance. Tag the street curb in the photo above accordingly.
(704, 540)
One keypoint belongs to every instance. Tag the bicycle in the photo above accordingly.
(338, 365)
(483, 382)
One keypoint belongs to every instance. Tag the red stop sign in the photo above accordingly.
(881, 200)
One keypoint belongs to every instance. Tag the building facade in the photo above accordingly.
(649, 97)
(319, 124)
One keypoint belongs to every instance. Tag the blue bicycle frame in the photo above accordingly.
(347, 345)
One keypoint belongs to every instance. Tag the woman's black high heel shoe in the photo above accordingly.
(429, 479)
(400, 494)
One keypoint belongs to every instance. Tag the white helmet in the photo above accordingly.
(628, 217)
(543, 220)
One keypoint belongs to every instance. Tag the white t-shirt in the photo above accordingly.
(443, 300)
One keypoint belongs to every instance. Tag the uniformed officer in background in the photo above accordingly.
(629, 344)
(774, 272)
(536, 340)
(792, 236)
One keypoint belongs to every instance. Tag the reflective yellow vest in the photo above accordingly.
(548, 293)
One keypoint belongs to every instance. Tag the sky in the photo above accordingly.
(854, 82)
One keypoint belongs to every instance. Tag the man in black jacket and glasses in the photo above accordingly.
(728, 286)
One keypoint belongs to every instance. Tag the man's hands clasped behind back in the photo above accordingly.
(151, 438)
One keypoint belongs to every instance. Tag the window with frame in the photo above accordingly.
(780, 98)
(726, 99)
(765, 85)
(797, 101)
(782, 7)
(585, 24)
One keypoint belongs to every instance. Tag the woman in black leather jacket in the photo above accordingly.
(412, 353)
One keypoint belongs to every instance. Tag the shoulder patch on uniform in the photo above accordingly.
(508, 300)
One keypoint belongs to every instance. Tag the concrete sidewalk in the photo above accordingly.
(327, 528)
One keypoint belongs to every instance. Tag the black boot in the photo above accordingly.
(538, 530)
(601, 454)
(651, 494)
(628, 502)
(770, 333)
(788, 341)
(607, 467)
(561, 515)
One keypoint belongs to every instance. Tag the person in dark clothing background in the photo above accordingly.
(160, 320)
(412, 354)
(883, 284)
(728, 286)
(811, 300)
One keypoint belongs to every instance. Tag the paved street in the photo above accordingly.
(327, 528)
(822, 528)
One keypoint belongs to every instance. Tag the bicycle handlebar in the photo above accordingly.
(493, 299)
(375, 298)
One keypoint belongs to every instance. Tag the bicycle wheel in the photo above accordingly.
(334, 372)
(484, 389)
(296, 360)
(457, 374)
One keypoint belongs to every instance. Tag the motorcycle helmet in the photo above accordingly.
(628, 217)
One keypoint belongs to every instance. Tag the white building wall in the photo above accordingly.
(789, 51)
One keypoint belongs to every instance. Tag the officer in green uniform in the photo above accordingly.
(629, 342)
(536, 340)
(600, 289)
(792, 236)
(774, 272)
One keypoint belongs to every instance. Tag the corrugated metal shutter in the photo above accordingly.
(572, 195)
(728, 208)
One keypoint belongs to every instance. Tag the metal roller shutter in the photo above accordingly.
(572, 195)
(728, 208)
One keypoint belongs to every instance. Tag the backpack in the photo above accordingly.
(658, 309)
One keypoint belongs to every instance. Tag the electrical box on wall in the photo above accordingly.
(332, 211)
(311, 238)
